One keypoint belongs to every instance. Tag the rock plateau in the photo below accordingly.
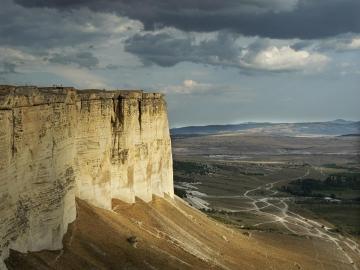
(59, 143)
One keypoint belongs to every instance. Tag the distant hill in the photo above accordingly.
(337, 127)
(351, 135)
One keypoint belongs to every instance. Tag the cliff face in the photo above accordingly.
(58, 143)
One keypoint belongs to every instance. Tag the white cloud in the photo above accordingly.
(15, 55)
(187, 87)
(283, 58)
(167, 48)
(194, 88)
(190, 83)
(354, 44)
(344, 44)
(13, 60)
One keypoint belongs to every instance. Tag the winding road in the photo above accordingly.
(296, 223)
(275, 209)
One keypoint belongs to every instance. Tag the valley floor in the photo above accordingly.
(277, 188)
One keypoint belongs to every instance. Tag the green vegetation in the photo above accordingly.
(189, 167)
(239, 170)
(180, 192)
(338, 185)
(344, 213)
(344, 216)
(333, 166)
(350, 166)
(179, 178)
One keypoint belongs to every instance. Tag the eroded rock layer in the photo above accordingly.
(58, 143)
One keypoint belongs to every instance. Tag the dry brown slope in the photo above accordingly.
(169, 235)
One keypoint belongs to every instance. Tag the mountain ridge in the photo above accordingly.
(336, 127)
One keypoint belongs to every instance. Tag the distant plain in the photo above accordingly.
(275, 186)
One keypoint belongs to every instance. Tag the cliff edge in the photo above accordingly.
(60, 143)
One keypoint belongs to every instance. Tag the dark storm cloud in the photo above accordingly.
(303, 19)
(38, 28)
(150, 7)
(82, 59)
(342, 43)
(167, 50)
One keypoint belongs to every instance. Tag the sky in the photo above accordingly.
(216, 61)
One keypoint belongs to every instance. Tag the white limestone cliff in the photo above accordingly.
(58, 143)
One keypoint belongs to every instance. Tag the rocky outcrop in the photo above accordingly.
(58, 143)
